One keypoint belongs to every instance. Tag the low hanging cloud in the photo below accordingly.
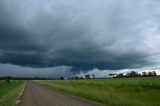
(18, 71)
(83, 34)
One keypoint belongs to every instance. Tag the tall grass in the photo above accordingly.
(9, 92)
(114, 92)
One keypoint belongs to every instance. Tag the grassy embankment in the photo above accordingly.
(10, 92)
(114, 92)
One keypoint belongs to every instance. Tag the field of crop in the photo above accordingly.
(10, 91)
(114, 92)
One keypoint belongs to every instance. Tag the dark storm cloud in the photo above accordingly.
(82, 34)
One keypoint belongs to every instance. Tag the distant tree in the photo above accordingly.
(81, 78)
(87, 76)
(127, 75)
(133, 74)
(120, 75)
(8, 79)
(93, 76)
(61, 78)
(154, 73)
(149, 73)
(144, 74)
(76, 77)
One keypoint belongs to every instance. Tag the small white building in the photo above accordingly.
(112, 75)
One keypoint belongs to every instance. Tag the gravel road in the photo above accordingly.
(38, 95)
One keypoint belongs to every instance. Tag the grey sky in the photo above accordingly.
(83, 35)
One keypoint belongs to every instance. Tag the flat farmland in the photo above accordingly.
(112, 92)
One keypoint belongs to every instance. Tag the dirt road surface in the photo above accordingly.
(38, 95)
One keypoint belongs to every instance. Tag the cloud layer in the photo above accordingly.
(83, 35)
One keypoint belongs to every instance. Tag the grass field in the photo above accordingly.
(9, 92)
(113, 92)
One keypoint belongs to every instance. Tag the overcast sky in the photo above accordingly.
(51, 38)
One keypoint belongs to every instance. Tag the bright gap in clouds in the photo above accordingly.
(58, 71)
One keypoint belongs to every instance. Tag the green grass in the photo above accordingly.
(114, 92)
(10, 92)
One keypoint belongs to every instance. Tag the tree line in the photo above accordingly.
(120, 75)
(135, 74)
